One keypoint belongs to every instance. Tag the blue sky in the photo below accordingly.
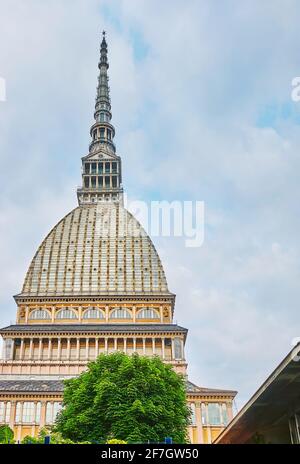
(201, 99)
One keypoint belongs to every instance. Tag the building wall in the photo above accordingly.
(59, 355)
(27, 414)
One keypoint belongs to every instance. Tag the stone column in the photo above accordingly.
(12, 354)
(163, 348)
(78, 349)
(172, 349)
(153, 346)
(31, 348)
(161, 314)
(22, 349)
(144, 346)
(40, 348)
(96, 347)
(229, 411)
(34, 412)
(134, 344)
(53, 314)
(106, 313)
(59, 349)
(80, 314)
(43, 414)
(198, 415)
(106, 345)
(134, 313)
(12, 416)
(87, 348)
(115, 344)
(125, 345)
(49, 348)
(68, 348)
(26, 314)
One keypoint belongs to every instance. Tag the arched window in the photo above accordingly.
(39, 314)
(147, 313)
(93, 313)
(66, 313)
(120, 313)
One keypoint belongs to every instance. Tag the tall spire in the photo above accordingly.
(102, 131)
(101, 168)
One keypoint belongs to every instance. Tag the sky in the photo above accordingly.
(201, 102)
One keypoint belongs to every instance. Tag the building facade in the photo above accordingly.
(95, 285)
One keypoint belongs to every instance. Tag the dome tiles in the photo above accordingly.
(96, 249)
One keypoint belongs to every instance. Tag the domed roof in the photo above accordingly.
(94, 250)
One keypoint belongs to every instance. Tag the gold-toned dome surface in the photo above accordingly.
(94, 250)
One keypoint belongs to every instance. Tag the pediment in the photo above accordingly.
(100, 155)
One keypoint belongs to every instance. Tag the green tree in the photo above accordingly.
(6, 434)
(132, 398)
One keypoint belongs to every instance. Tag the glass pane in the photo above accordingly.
(214, 416)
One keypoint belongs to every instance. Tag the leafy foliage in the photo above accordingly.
(114, 441)
(55, 438)
(132, 398)
(6, 434)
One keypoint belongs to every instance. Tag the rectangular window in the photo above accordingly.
(28, 412)
(107, 181)
(109, 134)
(114, 167)
(193, 416)
(114, 181)
(94, 168)
(214, 416)
(100, 181)
(100, 168)
(102, 133)
(49, 412)
(8, 348)
(2, 411)
(177, 348)
(87, 168)
(86, 182)
(224, 414)
(7, 412)
(93, 179)
(107, 168)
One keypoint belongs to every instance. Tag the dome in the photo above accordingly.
(94, 250)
